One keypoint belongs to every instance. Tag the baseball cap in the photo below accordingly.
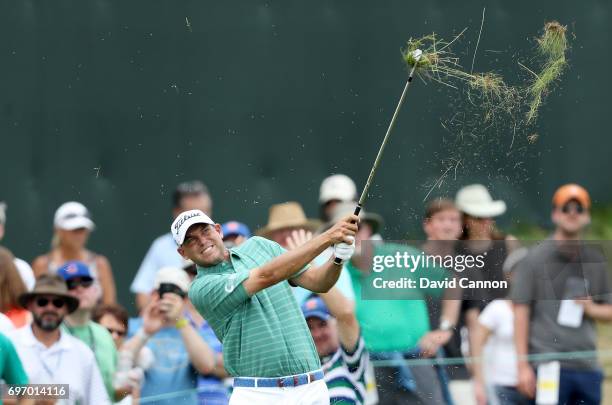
(315, 307)
(570, 192)
(74, 269)
(73, 215)
(184, 220)
(172, 275)
(337, 187)
(233, 228)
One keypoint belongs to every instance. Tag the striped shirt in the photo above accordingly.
(345, 375)
(264, 335)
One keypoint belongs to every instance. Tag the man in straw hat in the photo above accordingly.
(286, 222)
(344, 283)
(559, 292)
(244, 293)
(51, 356)
(289, 227)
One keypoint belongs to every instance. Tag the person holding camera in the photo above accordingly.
(167, 328)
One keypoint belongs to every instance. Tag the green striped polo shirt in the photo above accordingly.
(345, 375)
(264, 335)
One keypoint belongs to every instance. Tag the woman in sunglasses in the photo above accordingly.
(481, 237)
(115, 319)
(11, 287)
(72, 226)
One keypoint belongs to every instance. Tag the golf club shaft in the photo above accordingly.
(366, 188)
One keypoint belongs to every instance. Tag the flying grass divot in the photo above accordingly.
(552, 46)
(485, 104)
(438, 63)
(553, 42)
(489, 91)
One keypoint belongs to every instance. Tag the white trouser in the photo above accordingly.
(314, 393)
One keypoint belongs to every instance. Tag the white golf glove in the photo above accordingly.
(344, 251)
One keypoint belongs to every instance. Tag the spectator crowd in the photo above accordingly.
(61, 323)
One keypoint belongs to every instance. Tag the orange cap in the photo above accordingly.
(571, 192)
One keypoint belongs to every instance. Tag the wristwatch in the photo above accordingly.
(446, 325)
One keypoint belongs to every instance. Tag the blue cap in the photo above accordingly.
(74, 269)
(234, 228)
(315, 307)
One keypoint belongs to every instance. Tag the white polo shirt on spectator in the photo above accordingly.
(67, 361)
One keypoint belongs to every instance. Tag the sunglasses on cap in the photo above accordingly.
(84, 282)
(567, 208)
(120, 333)
(57, 302)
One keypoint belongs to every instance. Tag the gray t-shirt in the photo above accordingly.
(549, 274)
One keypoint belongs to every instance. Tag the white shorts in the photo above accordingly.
(314, 393)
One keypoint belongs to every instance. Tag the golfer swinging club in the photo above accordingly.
(244, 293)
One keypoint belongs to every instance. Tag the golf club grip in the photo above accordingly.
(337, 260)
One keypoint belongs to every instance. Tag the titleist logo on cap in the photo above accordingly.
(183, 219)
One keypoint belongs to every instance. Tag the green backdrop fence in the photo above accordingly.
(114, 102)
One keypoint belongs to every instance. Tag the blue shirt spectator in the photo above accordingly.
(171, 372)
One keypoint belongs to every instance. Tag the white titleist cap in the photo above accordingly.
(185, 219)
(337, 187)
(73, 215)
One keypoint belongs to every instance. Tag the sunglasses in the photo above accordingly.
(57, 302)
(120, 333)
(567, 208)
(75, 282)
